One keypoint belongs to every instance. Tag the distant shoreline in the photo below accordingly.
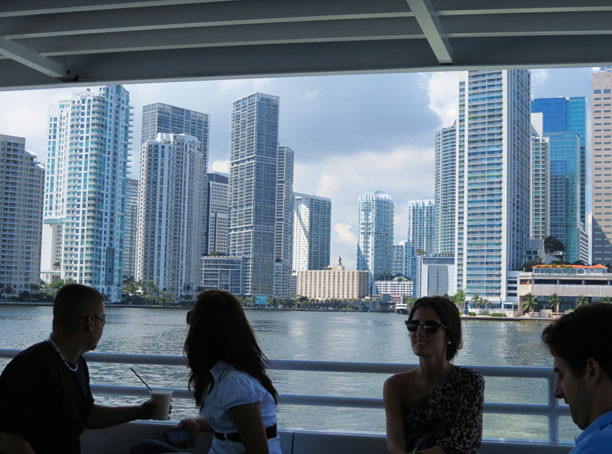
(141, 306)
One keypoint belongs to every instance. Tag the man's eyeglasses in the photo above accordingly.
(102, 318)
(431, 326)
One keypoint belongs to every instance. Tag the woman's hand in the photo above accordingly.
(190, 425)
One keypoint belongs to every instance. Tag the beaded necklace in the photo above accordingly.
(70, 368)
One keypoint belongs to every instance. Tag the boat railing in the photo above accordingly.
(553, 410)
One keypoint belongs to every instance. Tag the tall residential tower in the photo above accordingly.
(252, 188)
(89, 137)
(311, 232)
(375, 247)
(445, 180)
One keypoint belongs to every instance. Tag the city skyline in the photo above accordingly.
(341, 151)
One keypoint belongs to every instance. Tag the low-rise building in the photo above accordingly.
(223, 273)
(334, 282)
(567, 281)
(435, 276)
(404, 287)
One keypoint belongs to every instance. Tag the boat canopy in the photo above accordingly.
(71, 42)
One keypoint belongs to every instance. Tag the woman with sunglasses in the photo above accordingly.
(435, 408)
(236, 398)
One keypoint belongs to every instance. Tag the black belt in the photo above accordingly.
(270, 433)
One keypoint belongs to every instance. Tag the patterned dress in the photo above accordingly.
(451, 413)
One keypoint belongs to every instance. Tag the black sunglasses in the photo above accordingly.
(431, 326)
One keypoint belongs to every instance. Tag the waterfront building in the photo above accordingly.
(130, 226)
(435, 276)
(217, 210)
(493, 180)
(445, 181)
(311, 232)
(252, 188)
(421, 233)
(399, 258)
(564, 123)
(335, 282)
(539, 211)
(567, 281)
(89, 137)
(21, 208)
(375, 240)
(601, 139)
(283, 232)
(223, 273)
(159, 117)
(170, 239)
(402, 287)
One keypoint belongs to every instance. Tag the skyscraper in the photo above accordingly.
(159, 117)
(170, 239)
(252, 188)
(283, 241)
(130, 226)
(445, 180)
(493, 181)
(539, 211)
(21, 208)
(399, 258)
(601, 96)
(421, 233)
(217, 214)
(375, 240)
(564, 122)
(311, 232)
(89, 136)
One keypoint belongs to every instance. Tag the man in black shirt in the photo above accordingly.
(45, 399)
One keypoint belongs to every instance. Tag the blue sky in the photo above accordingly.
(350, 134)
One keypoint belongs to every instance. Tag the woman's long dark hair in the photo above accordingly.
(219, 331)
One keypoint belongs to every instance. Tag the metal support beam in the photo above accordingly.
(31, 59)
(432, 29)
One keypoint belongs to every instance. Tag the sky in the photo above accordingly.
(351, 134)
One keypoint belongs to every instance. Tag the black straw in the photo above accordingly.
(145, 383)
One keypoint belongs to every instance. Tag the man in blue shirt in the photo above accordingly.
(581, 344)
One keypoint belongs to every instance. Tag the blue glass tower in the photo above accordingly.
(565, 124)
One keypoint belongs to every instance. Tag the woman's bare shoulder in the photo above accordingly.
(401, 380)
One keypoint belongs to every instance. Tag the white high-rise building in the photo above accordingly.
(493, 157)
(130, 227)
(445, 180)
(539, 218)
(252, 188)
(283, 235)
(170, 238)
(21, 208)
(311, 232)
(421, 233)
(85, 186)
(400, 254)
(375, 247)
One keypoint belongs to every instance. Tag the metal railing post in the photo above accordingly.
(553, 417)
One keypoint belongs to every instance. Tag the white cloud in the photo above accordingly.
(220, 166)
(539, 77)
(243, 86)
(309, 94)
(443, 90)
(404, 172)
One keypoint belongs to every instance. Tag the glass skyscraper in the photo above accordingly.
(283, 243)
(421, 233)
(565, 125)
(493, 181)
(375, 246)
(539, 211)
(311, 232)
(252, 188)
(21, 208)
(130, 226)
(445, 180)
(217, 214)
(85, 186)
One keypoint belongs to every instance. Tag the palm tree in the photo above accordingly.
(459, 299)
(530, 303)
(606, 299)
(554, 301)
(581, 301)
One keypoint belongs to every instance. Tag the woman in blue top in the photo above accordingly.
(236, 398)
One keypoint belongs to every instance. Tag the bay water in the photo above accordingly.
(319, 336)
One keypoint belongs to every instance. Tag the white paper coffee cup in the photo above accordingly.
(161, 403)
